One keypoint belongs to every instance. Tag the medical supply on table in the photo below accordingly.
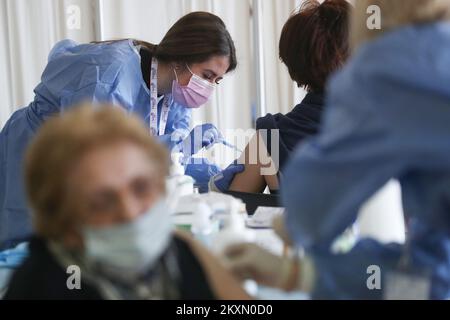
(210, 219)
(203, 223)
(218, 203)
(218, 221)
(234, 231)
(177, 181)
(263, 217)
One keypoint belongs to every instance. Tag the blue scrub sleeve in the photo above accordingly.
(94, 93)
(60, 48)
(345, 276)
(335, 173)
(167, 141)
(177, 127)
(182, 120)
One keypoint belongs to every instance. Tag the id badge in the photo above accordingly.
(407, 285)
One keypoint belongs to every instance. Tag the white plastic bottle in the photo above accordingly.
(234, 231)
(202, 225)
(178, 182)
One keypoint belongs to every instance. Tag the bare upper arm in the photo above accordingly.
(260, 171)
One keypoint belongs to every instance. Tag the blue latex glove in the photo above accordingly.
(221, 181)
(12, 258)
(202, 136)
(201, 170)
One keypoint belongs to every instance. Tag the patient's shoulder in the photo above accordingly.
(222, 282)
(41, 277)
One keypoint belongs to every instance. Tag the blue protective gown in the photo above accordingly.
(109, 73)
(387, 116)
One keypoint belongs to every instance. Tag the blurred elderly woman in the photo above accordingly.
(388, 116)
(96, 183)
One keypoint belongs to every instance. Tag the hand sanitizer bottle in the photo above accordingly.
(178, 182)
(234, 231)
(202, 225)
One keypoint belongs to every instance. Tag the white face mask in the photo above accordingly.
(130, 249)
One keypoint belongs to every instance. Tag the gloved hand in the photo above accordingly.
(201, 170)
(173, 140)
(250, 261)
(202, 136)
(221, 181)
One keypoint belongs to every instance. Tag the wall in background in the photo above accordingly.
(29, 29)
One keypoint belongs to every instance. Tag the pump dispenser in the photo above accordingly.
(234, 231)
(178, 182)
(203, 225)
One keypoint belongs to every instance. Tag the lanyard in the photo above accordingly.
(154, 104)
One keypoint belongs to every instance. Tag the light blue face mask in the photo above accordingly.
(132, 248)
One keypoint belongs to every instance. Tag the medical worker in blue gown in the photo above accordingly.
(159, 83)
(388, 116)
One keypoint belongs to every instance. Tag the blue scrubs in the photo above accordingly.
(106, 72)
(388, 116)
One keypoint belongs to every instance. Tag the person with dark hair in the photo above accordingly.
(159, 83)
(313, 44)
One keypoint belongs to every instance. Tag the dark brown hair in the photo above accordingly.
(314, 42)
(194, 38)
